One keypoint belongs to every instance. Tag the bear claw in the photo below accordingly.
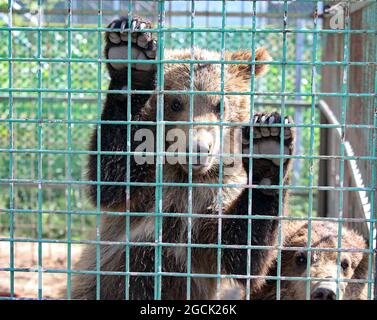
(267, 142)
(267, 139)
(143, 46)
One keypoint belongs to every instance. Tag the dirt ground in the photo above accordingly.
(54, 257)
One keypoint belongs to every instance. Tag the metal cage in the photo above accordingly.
(53, 82)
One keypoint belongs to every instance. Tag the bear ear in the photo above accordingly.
(358, 290)
(244, 70)
(361, 271)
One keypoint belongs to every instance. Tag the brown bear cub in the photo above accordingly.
(323, 265)
(203, 227)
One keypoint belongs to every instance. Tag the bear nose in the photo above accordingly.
(202, 149)
(323, 293)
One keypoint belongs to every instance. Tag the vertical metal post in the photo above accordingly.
(11, 146)
(281, 164)
(69, 156)
(220, 194)
(40, 157)
(311, 149)
(160, 149)
(98, 182)
(191, 119)
(346, 59)
(128, 157)
(251, 152)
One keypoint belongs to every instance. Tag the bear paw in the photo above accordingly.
(143, 46)
(266, 142)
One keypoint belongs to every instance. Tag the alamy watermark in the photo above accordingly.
(337, 13)
(203, 150)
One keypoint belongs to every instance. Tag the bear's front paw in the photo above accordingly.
(266, 142)
(143, 46)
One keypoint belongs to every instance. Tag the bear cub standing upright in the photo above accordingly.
(199, 224)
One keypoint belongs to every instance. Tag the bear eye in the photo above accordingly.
(345, 265)
(176, 105)
(301, 260)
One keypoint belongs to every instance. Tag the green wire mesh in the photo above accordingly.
(52, 85)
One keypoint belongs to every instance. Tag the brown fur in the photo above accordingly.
(175, 199)
(323, 265)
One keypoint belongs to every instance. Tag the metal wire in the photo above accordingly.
(40, 95)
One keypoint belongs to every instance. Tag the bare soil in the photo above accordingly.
(53, 265)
